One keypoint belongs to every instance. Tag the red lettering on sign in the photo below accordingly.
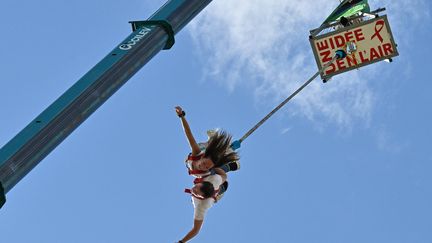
(374, 54)
(348, 36)
(331, 69)
(362, 58)
(331, 43)
(359, 35)
(380, 51)
(388, 49)
(326, 56)
(340, 41)
(322, 45)
(352, 61)
(340, 64)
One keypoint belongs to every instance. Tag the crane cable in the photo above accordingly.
(340, 54)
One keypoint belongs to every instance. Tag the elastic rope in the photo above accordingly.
(287, 99)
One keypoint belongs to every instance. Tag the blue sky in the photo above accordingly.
(348, 161)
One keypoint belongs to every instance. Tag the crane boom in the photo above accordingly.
(23, 152)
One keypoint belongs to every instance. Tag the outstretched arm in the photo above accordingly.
(193, 144)
(195, 230)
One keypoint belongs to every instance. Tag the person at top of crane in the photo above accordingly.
(208, 163)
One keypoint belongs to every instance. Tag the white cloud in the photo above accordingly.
(264, 45)
(403, 13)
(286, 130)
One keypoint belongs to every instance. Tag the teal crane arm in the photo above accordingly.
(42, 135)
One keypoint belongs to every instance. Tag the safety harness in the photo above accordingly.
(200, 175)
(196, 173)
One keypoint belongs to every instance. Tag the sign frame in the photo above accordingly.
(315, 39)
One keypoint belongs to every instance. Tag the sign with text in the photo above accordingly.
(365, 43)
